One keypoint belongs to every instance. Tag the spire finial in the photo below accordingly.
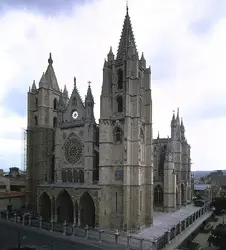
(74, 81)
(50, 60)
(89, 83)
(127, 7)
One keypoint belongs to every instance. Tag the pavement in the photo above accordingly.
(11, 234)
(202, 238)
(179, 239)
(163, 221)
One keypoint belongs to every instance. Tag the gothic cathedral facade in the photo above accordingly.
(172, 169)
(94, 174)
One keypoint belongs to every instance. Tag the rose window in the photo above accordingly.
(73, 150)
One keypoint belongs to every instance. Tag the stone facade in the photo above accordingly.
(172, 169)
(126, 138)
(98, 174)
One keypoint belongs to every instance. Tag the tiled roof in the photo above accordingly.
(10, 194)
(201, 186)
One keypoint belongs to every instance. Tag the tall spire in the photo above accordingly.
(127, 39)
(178, 116)
(61, 104)
(89, 95)
(50, 60)
(33, 89)
(50, 75)
(75, 98)
(65, 93)
(182, 126)
(173, 121)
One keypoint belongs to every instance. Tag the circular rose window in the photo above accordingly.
(73, 150)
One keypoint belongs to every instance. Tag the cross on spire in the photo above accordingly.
(89, 83)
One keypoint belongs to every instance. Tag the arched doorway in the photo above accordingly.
(87, 210)
(45, 206)
(182, 194)
(64, 207)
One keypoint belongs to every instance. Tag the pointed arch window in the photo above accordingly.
(158, 195)
(36, 103)
(118, 135)
(116, 202)
(140, 106)
(141, 136)
(36, 120)
(81, 176)
(64, 176)
(54, 122)
(52, 169)
(119, 104)
(74, 101)
(69, 176)
(161, 161)
(55, 104)
(75, 175)
(120, 79)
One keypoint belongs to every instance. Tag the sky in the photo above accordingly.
(183, 42)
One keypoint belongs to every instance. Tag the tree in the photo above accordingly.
(219, 203)
(217, 237)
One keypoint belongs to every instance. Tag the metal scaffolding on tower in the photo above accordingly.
(24, 150)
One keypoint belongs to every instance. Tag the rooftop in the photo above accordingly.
(163, 221)
(201, 186)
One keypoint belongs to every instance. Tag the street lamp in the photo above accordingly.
(19, 238)
(223, 216)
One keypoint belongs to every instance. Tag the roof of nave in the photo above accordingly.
(160, 141)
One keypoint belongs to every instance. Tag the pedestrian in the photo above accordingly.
(209, 241)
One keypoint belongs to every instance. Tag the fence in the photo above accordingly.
(129, 241)
(118, 238)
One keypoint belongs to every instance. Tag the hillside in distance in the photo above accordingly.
(199, 174)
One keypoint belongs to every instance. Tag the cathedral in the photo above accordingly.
(109, 174)
(172, 169)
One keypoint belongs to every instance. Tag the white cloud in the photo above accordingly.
(80, 42)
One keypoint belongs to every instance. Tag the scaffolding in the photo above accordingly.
(24, 150)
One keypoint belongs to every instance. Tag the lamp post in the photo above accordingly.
(19, 238)
(223, 216)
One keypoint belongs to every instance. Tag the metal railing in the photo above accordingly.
(118, 238)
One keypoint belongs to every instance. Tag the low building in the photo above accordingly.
(10, 199)
(221, 192)
(203, 190)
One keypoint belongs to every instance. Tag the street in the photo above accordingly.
(11, 234)
(202, 238)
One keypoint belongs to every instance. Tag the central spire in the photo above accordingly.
(127, 39)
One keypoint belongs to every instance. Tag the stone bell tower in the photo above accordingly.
(125, 147)
(42, 119)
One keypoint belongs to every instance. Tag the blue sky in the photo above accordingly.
(183, 41)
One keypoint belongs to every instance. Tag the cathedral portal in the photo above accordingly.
(87, 210)
(64, 206)
(45, 206)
